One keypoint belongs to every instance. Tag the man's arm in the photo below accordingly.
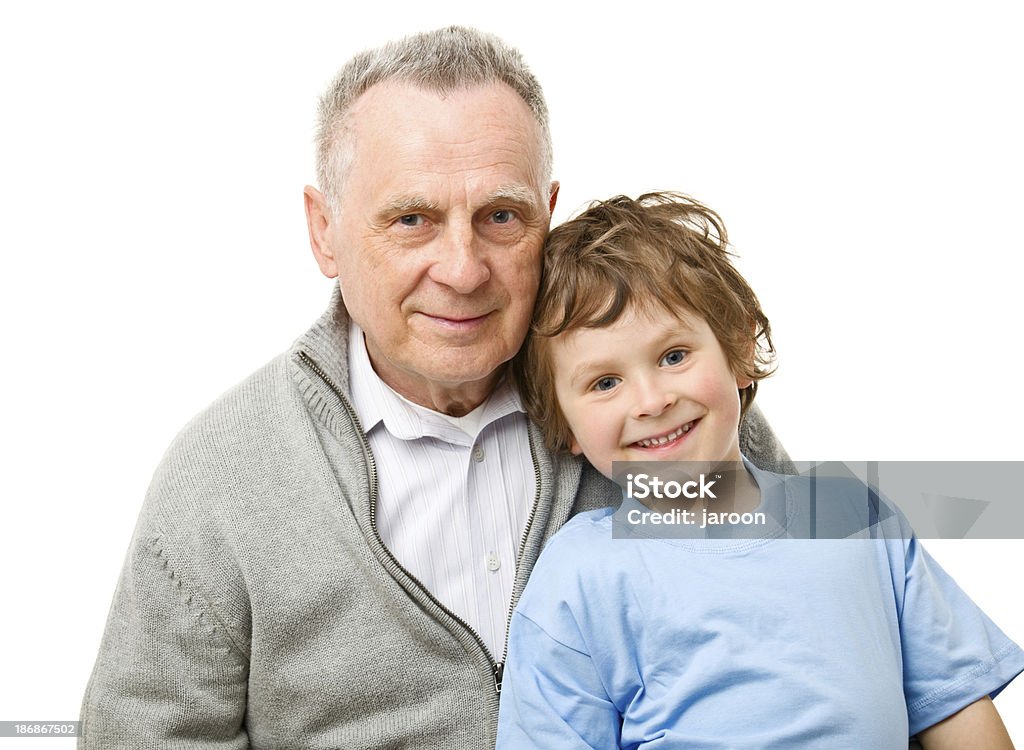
(976, 727)
(168, 671)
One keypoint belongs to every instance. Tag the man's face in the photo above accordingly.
(437, 238)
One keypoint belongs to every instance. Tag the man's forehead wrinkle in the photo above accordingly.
(427, 157)
(495, 132)
(503, 151)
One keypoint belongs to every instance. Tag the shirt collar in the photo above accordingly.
(375, 403)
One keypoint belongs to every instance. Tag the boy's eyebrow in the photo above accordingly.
(584, 372)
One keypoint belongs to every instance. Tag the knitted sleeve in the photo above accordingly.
(169, 671)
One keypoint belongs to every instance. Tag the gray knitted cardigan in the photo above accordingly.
(258, 606)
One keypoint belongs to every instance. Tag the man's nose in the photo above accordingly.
(653, 397)
(460, 264)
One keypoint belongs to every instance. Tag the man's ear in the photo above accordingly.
(554, 195)
(318, 221)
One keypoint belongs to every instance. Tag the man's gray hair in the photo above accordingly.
(442, 60)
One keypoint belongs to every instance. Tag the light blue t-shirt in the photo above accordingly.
(743, 643)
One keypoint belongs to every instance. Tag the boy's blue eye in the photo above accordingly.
(674, 357)
(606, 384)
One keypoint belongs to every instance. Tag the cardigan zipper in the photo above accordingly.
(516, 589)
(497, 667)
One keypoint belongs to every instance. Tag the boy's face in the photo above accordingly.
(646, 389)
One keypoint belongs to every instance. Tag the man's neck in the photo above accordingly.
(453, 399)
(455, 402)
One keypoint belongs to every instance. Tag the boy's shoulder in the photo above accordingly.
(585, 541)
(581, 572)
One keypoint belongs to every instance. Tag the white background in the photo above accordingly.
(866, 157)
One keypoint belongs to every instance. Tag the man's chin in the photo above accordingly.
(451, 382)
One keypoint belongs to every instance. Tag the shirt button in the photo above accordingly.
(493, 563)
(478, 454)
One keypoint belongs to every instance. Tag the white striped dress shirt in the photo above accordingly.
(454, 494)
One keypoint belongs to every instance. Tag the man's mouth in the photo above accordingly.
(457, 321)
(668, 437)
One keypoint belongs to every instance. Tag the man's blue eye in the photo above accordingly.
(502, 217)
(606, 384)
(411, 220)
(674, 357)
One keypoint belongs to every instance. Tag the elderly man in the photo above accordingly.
(327, 557)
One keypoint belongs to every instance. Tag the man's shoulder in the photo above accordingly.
(249, 409)
(595, 491)
(248, 438)
(759, 443)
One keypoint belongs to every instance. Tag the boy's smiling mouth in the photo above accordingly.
(666, 438)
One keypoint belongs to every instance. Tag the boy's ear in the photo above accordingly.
(742, 381)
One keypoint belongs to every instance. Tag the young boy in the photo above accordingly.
(648, 345)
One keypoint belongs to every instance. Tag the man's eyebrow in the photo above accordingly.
(520, 195)
(405, 204)
(399, 205)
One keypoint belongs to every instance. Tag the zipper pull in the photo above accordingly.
(499, 670)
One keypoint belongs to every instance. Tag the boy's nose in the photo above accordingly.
(653, 400)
